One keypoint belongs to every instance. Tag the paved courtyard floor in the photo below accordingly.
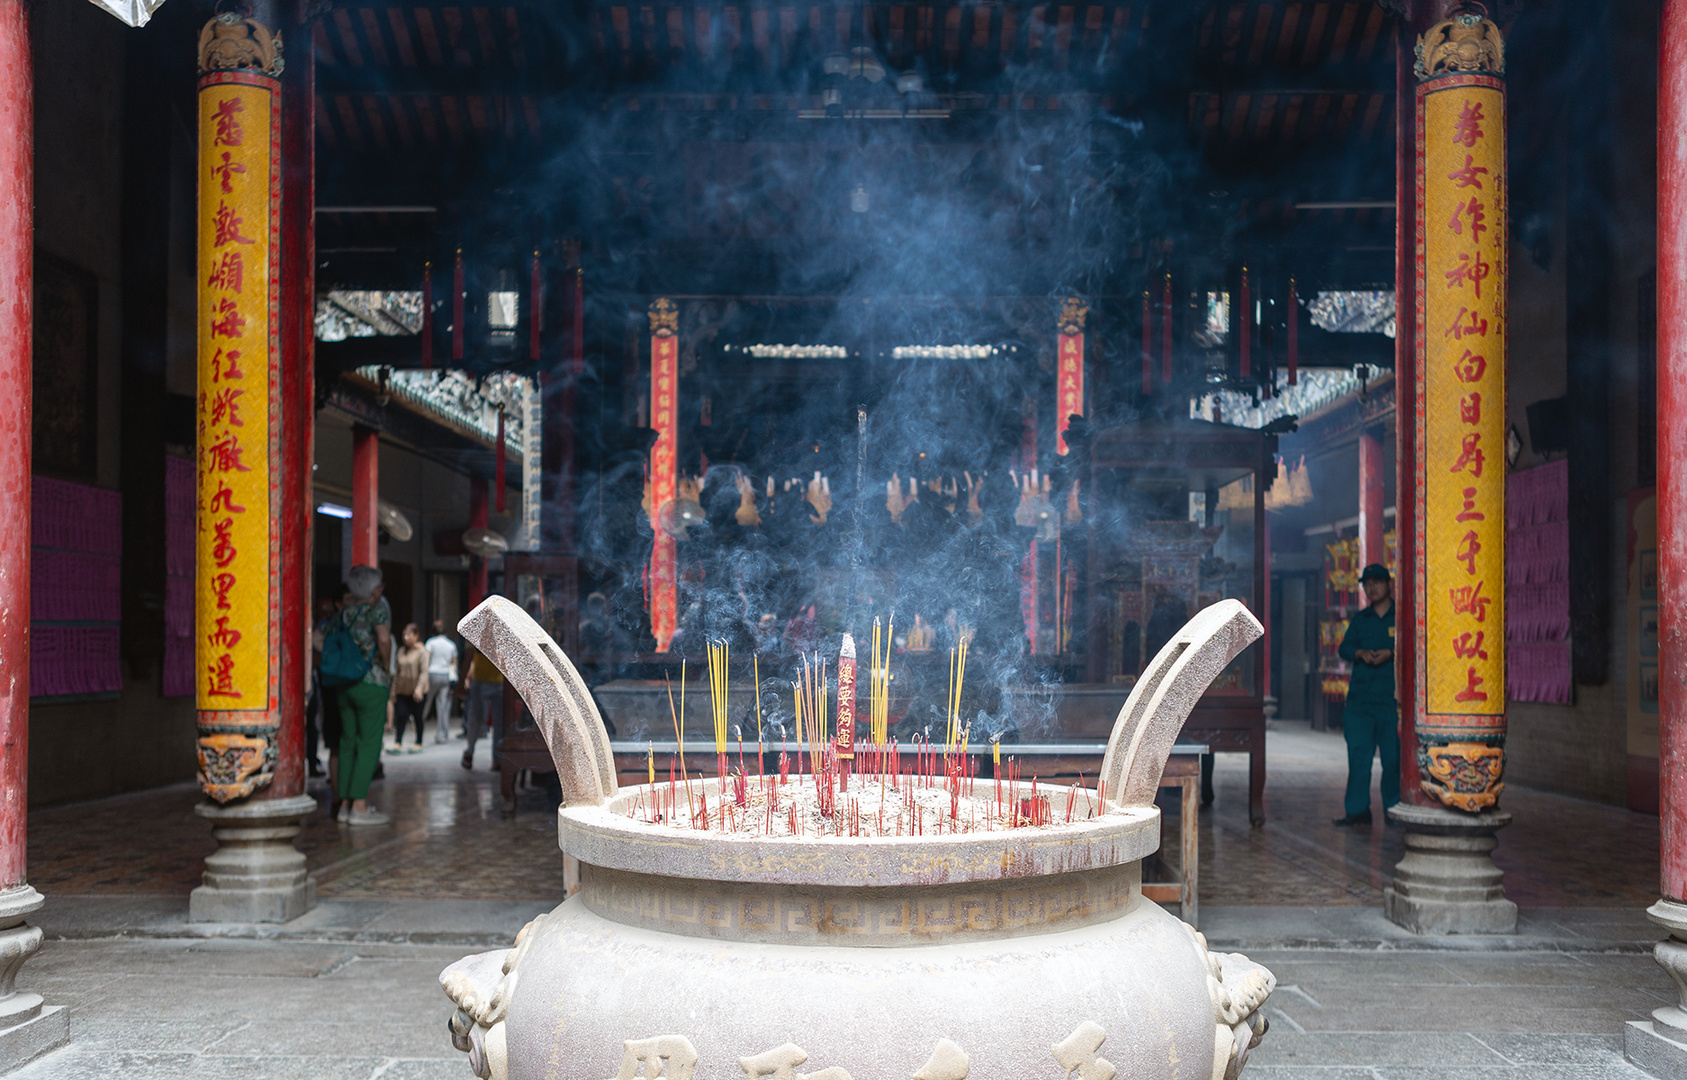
(350, 990)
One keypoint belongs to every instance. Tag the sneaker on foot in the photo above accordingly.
(367, 817)
(417, 749)
(1353, 819)
(345, 810)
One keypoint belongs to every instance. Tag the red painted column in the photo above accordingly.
(1371, 494)
(17, 206)
(1405, 378)
(298, 405)
(478, 519)
(365, 496)
(1672, 448)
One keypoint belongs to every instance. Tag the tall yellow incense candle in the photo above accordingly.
(846, 699)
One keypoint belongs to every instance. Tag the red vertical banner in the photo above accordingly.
(1292, 344)
(1069, 395)
(1245, 332)
(664, 458)
(1147, 345)
(1166, 332)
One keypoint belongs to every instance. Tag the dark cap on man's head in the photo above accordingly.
(1375, 572)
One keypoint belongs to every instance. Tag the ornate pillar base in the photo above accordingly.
(28, 1027)
(255, 875)
(1659, 1045)
(1447, 882)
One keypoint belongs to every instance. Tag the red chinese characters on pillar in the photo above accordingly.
(235, 260)
(1460, 335)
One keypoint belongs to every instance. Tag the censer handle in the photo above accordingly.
(567, 716)
(1155, 712)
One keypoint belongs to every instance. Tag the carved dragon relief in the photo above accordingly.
(1468, 41)
(230, 43)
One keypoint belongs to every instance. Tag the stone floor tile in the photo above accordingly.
(1552, 1048)
(1420, 1015)
(1369, 1048)
(1362, 969)
(147, 957)
(76, 1064)
(1620, 1071)
(338, 1033)
(453, 1068)
(144, 1035)
(1305, 1072)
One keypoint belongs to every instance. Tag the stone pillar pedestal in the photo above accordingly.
(1447, 882)
(1659, 1045)
(28, 1027)
(255, 875)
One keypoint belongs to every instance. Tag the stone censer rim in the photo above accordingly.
(604, 836)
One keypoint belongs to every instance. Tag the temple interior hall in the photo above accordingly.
(851, 528)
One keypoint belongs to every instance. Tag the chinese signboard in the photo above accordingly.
(1461, 383)
(239, 193)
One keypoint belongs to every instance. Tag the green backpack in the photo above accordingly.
(343, 663)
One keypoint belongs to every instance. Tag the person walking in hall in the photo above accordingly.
(356, 646)
(442, 674)
(1371, 720)
(484, 710)
(409, 688)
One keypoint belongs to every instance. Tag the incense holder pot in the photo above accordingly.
(999, 955)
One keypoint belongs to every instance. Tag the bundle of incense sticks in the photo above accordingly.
(812, 709)
(718, 656)
(878, 692)
(957, 678)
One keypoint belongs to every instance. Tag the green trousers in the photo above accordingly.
(363, 719)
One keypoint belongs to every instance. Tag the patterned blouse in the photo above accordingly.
(360, 621)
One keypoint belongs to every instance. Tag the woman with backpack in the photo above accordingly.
(356, 645)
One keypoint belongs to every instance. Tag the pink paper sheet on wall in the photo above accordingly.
(178, 581)
(75, 588)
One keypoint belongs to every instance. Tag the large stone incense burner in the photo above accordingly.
(1003, 955)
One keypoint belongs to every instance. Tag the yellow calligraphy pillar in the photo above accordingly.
(239, 406)
(1462, 203)
(663, 581)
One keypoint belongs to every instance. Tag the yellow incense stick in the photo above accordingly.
(718, 659)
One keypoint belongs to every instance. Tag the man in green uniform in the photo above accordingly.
(1370, 721)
